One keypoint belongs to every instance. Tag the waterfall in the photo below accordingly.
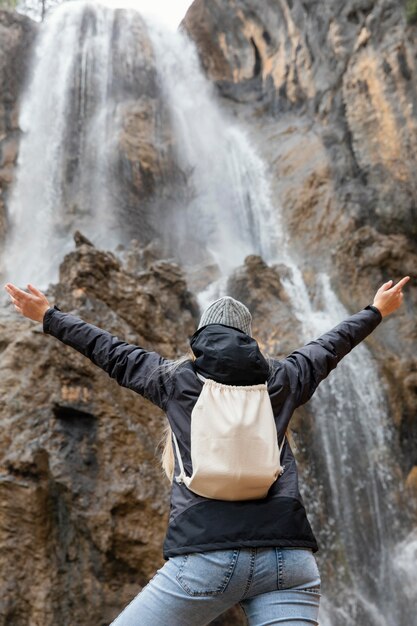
(362, 477)
(66, 179)
(355, 439)
(228, 209)
(67, 158)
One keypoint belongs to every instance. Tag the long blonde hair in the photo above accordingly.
(167, 454)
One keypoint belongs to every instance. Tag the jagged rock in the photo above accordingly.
(83, 503)
(81, 239)
(259, 287)
(99, 281)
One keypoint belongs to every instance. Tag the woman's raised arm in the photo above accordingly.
(131, 366)
(309, 365)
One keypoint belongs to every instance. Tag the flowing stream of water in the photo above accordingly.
(231, 211)
(66, 175)
(229, 205)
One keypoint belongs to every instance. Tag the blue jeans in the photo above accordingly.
(272, 585)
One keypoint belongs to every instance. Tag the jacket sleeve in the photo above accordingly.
(130, 365)
(308, 366)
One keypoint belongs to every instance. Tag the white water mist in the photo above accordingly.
(228, 208)
(65, 177)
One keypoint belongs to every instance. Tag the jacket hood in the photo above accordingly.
(228, 355)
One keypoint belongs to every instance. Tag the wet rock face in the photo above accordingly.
(83, 503)
(17, 34)
(328, 92)
(348, 65)
(137, 167)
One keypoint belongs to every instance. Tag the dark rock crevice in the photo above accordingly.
(257, 68)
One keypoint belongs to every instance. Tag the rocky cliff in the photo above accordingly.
(329, 90)
(83, 500)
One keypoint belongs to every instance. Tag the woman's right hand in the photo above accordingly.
(389, 297)
(32, 305)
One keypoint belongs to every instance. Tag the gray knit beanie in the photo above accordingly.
(229, 312)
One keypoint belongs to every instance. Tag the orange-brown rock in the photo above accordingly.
(83, 503)
(411, 481)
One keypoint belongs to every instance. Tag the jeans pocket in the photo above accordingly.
(298, 569)
(207, 573)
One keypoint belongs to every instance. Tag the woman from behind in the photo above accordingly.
(236, 533)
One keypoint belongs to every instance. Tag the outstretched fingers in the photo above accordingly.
(389, 285)
(398, 287)
(35, 291)
(15, 293)
(32, 305)
(385, 286)
(19, 298)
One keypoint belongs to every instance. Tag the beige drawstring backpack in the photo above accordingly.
(234, 446)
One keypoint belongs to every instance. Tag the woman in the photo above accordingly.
(219, 552)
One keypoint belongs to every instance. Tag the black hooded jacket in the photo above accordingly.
(228, 355)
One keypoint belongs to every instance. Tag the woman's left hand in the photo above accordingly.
(32, 305)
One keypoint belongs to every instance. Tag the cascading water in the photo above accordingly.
(228, 209)
(67, 159)
(362, 477)
(355, 439)
(229, 214)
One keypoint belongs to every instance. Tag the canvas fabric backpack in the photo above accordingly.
(234, 447)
